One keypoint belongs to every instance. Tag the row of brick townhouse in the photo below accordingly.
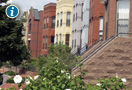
(77, 23)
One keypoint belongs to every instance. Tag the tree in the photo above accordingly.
(63, 52)
(12, 47)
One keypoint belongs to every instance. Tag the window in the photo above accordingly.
(29, 43)
(68, 19)
(61, 18)
(75, 43)
(72, 43)
(53, 22)
(46, 42)
(56, 38)
(30, 25)
(82, 12)
(58, 20)
(100, 28)
(76, 16)
(60, 38)
(44, 22)
(123, 11)
(76, 11)
(67, 39)
(47, 22)
(73, 17)
(43, 41)
(52, 39)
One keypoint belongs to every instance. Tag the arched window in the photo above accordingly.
(68, 19)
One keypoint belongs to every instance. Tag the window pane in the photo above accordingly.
(56, 38)
(43, 41)
(123, 9)
(101, 23)
(61, 15)
(53, 22)
(123, 27)
(68, 19)
(60, 38)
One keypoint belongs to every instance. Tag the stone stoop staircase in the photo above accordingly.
(90, 50)
(115, 57)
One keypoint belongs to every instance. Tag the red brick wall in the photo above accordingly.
(111, 18)
(49, 11)
(130, 23)
(35, 33)
(96, 10)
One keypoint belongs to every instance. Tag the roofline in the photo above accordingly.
(50, 4)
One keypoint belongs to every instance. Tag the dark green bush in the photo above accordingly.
(10, 73)
(10, 80)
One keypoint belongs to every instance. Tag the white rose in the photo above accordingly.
(67, 89)
(62, 71)
(123, 80)
(56, 60)
(44, 79)
(17, 79)
(69, 77)
(98, 84)
(36, 77)
(27, 81)
(116, 75)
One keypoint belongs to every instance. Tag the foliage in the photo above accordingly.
(13, 48)
(3, 1)
(63, 52)
(10, 80)
(54, 77)
(113, 83)
(10, 73)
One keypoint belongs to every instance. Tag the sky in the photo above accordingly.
(24, 5)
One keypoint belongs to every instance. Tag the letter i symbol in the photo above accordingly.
(12, 11)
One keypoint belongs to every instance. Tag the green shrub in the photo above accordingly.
(10, 73)
(10, 80)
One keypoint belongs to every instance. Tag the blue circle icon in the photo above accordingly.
(12, 11)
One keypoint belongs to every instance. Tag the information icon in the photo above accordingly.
(12, 11)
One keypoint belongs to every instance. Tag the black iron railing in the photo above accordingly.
(81, 51)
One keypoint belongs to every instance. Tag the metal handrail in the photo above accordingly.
(91, 47)
(97, 49)
(85, 47)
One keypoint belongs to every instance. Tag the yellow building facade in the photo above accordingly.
(24, 19)
(63, 25)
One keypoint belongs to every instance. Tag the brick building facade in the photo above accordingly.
(35, 27)
(118, 17)
(95, 22)
(48, 30)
